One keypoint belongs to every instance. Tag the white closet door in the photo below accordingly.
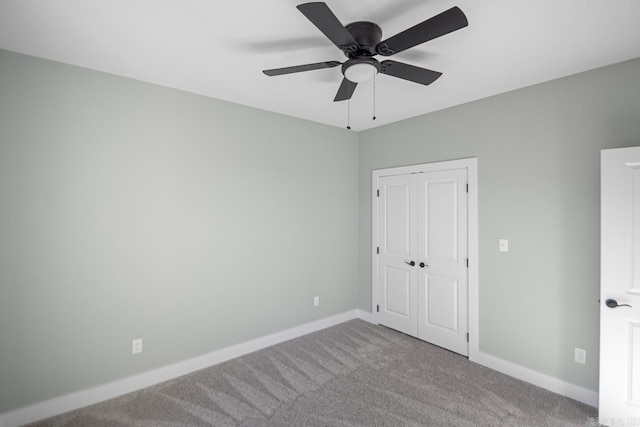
(442, 259)
(397, 243)
(620, 287)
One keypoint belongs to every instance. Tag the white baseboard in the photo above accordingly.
(547, 382)
(103, 392)
(555, 385)
(366, 316)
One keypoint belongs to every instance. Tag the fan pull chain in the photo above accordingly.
(348, 108)
(374, 95)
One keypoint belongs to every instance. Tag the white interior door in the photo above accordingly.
(397, 247)
(620, 282)
(442, 259)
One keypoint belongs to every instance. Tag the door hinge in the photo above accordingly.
(378, 249)
(377, 309)
(467, 188)
(377, 193)
(467, 262)
(467, 336)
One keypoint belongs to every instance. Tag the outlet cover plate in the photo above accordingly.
(136, 346)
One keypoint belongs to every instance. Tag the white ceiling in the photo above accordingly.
(219, 49)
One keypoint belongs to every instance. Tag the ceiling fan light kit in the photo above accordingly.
(360, 70)
(361, 41)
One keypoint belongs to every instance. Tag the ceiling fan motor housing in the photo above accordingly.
(367, 35)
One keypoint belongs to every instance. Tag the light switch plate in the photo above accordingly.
(503, 245)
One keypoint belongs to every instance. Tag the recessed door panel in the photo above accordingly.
(634, 357)
(442, 302)
(398, 291)
(398, 199)
(441, 214)
(633, 173)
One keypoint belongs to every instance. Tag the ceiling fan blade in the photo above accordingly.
(346, 90)
(444, 23)
(323, 18)
(409, 72)
(300, 68)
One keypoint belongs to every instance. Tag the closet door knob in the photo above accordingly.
(423, 265)
(412, 263)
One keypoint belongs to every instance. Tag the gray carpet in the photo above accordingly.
(353, 374)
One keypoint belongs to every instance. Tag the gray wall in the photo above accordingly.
(130, 210)
(538, 153)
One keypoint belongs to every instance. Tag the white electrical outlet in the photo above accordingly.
(503, 245)
(136, 346)
(316, 301)
(580, 355)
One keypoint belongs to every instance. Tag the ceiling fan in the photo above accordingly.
(361, 41)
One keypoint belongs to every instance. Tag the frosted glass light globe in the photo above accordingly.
(359, 73)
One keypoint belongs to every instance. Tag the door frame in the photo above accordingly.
(471, 164)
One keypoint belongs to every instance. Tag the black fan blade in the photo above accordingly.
(409, 72)
(445, 23)
(322, 17)
(346, 90)
(300, 68)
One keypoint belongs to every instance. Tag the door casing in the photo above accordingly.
(471, 165)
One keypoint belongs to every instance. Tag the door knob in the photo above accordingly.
(412, 263)
(611, 303)
(423, 265)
